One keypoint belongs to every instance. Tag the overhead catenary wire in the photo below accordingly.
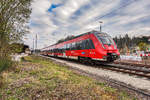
(125, 5)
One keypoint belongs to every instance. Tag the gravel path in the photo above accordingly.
(135, 81)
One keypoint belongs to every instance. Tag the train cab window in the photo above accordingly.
(105, 39)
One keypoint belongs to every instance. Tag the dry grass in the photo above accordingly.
(37, 78)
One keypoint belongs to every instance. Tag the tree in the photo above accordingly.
(18, 47)
(66, 39)
(143, 46)
(14, 15)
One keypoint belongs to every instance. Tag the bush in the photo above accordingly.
(4, 64)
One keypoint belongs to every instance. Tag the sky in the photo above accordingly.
(52, 20)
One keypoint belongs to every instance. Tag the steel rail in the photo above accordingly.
(131, 64)
(131, 70)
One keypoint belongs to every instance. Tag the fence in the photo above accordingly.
(145, 59)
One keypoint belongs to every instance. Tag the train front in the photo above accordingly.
(109, 47)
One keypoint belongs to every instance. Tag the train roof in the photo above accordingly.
(91, 32)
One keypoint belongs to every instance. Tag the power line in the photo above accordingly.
(117, 9)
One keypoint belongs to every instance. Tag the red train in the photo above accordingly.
(89, 46)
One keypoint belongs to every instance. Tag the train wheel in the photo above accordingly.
(79, 59)
(109, 59)
(82, 59)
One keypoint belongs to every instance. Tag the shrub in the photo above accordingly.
(4, 64)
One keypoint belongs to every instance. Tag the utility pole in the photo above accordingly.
(100, 26)
(33, 45)
(36, 41)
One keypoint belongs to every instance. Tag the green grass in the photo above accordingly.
(41, 79)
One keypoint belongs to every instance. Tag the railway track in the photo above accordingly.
(128, 69)
(124, 68)
(131, 64)
(143, 72)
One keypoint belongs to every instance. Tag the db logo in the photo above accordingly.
(83, 53)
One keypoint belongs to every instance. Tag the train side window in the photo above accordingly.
(91, 44)
(70, 46)
(56, 50)
(66, 46)
(83, 44)
(74, 46)
(78, 44)
(87, 44)
(60, 49)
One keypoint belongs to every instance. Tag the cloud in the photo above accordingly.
(56, 19)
